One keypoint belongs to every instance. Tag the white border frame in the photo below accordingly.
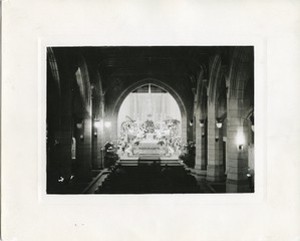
(270, 215)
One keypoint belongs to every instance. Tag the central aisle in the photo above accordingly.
(142, 176)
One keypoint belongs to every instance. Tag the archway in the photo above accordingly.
(150, 103)
(161, 85)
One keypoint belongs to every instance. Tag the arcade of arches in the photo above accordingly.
(150, 119)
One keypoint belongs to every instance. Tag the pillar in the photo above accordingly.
(98, 143)
(101, 137)
(200, 162)
(85, 150)
(237, 150)
(97, 130)
(215, 168)
(65, 141)
(95, 137)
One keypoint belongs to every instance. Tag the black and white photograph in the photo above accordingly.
(147, 120)
(150, 119)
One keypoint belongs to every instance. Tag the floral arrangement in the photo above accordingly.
(149, 126)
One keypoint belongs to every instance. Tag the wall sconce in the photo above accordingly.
(97, 123)
(218, 123)
(217, 138)
(241, 147)
(95, 134)
(60, 179)
(107, 124)
(252, 122)
(79, 125)
(203, 134)
(201, 123)
(81, 137)
(191, 122)
(240, 140)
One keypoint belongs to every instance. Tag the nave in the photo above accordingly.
(149, 177)
(193, 105)
(136, 176)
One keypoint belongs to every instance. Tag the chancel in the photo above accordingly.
(150, 119)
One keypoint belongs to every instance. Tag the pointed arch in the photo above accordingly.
(84, 84)
(161, 84)
(54, 69)
(241, 71)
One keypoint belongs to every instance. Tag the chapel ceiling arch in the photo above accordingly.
(161, 85)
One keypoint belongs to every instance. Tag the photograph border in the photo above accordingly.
(269, 214)
(260, 103)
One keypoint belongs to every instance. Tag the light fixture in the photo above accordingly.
(191, 122)
(252, 122)
(107, 124)
(97, 123)
(60, 179)
(240, 140)
(217, 138)
(201, 122)
(79, 125)
(95, 133)
(81, 137)
(219, 123)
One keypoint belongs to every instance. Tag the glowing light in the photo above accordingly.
(107, 124)
(240, 140)
(97, 124)
(219, 124)
(60, 179)
(201, 123)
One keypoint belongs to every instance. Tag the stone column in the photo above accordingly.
(200, 163)
(96, 146)
(204, 147)
(237, 150)
(101, 137)
(198, 147)
(65, 141)
(85, 150)
(215, 169)
(97, 132)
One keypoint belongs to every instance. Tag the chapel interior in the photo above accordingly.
(150, 120)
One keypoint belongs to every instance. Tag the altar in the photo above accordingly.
(150, 140)
(149, 147)
(150, 150)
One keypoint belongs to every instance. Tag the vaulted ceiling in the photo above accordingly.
(155, 61)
